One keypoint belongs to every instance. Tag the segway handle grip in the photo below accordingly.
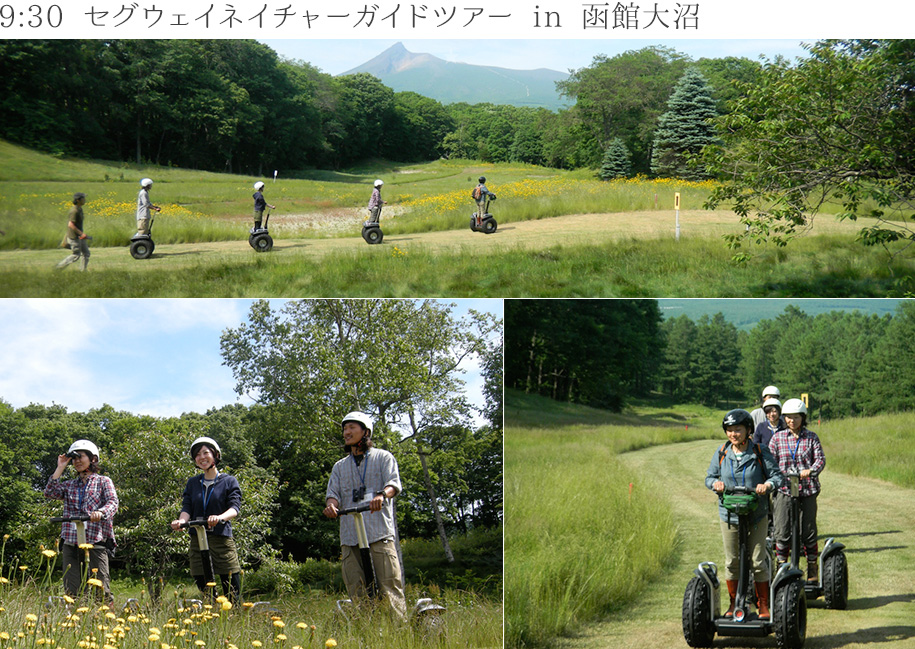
(70, 519)
(739, 489)
(362, 507)
(197, 522)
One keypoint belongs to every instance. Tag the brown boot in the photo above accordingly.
(762, 599)
(732, 593)
(813, 569)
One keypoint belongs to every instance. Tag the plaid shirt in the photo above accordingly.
(96, 494)
(802, 452)
(377, 470)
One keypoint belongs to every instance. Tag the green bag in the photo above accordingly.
(740, 503)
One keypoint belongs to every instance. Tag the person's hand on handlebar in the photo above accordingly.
(806, 473)
(763, 488)
(331, 510)
(718, 487)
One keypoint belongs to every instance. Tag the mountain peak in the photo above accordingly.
(396, 58)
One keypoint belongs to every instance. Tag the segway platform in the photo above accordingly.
(141, 246)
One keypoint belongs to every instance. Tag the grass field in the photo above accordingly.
(570, 519)
(561, 234)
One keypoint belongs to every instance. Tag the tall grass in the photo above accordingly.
(869, 446)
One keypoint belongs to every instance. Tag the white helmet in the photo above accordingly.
(83, 445)
(209, 441)
(772, 402)
(361, 418)
(771, 389)
(258, 185)
(146, 182)
(794, 407)
(379, 182)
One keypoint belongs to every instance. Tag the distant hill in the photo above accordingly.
(745, 313)
(451, 83)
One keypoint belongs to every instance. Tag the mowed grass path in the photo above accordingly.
(875, 520)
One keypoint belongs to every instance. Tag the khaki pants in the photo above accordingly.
(387, 573)
(144, 225)
(73, 559)
(757, 541)
(78, 248)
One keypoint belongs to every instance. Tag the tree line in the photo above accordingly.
(235, 106)
(609, 352)
(282, 448)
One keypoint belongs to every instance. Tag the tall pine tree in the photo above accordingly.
(684, 129)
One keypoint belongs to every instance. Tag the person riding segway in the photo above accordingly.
(741, 473)
(259, 237)
(141, 244)
(482, 220)
(371, 229)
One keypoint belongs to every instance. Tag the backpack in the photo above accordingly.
(477, 192)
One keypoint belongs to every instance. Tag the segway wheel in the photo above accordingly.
(790, 615)
(251, 240)
(473, 223)
(263, 243)
(835, 581)
(372, 235)
(698, 630)
(489, 225)
(141, 249)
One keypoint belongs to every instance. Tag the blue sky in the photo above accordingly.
(144, 356)
(338, 56)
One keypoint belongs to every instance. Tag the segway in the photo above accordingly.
(701, 612)
(260, 239)
(200, 526)
(80, 522)
(142, 245)
(488, 224)
(371, 230)
(832, 583)
(365, 552)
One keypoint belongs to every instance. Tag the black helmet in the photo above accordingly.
(482, 179)
(736, 418)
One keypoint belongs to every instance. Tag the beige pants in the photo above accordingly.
(143, 225)
(387, 574)
(757, 540)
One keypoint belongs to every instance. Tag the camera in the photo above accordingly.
(358, 494)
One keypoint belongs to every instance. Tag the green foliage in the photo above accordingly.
(685, 129)
(617, 161)
(594, 353)
(838, 126)
(276, 578)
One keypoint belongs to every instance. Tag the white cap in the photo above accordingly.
(146, 182)
(379, 182)
(771, 389)
(794, 407)
(258, 185)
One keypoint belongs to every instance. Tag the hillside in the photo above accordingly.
(450, 82)
(745, 313)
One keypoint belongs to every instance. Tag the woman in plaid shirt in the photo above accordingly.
(92, 495)
(799, 449)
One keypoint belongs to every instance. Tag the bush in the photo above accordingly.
(276, 578)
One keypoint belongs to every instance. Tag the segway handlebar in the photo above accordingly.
(197, 522)
(70, 519)
(355, 509)
(738, 489)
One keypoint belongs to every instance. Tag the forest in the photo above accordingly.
(609, 353)
(235, 106)
(394, 359)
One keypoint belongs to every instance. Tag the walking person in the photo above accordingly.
(215, 496)
(375, 203)
(88, 494)
(145, 208)
(741, 462)
(77, 239)
(367, 474)
(480, 194)
(797, 448)
(260, 204)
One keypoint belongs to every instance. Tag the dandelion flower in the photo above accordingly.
(279, 624)
(31, 617)
(86, 546)
(227, 606)
(330, 643)
(23, 568)
(4, 580)
(257, 643)
(211, 584)
(301, 625)
(50, 554)
(95, 582)
(280, 637)
(4, 635)
(200, 643)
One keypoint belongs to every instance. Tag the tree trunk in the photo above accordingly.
(438, 516)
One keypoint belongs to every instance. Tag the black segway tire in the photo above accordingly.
(262, 243)
(698, 630)
(489, 225)
(251, 240)
(372, 236)
(473, 224)
(141, 249)
(789, 615)
(835, 581)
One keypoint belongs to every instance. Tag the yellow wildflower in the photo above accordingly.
(31, 617)
(95, 582)
(227, 606)
(301, 625)
(257, 643)
(4, 580)
(50, 554)
(279, 637)
(330, 643)
(279, 624)
(4, 635)
(86, 546)
(153, 637)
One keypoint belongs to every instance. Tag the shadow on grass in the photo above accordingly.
(865, 603)
(881, 634)
(851, 534)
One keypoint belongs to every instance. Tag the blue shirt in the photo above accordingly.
(200, 502)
